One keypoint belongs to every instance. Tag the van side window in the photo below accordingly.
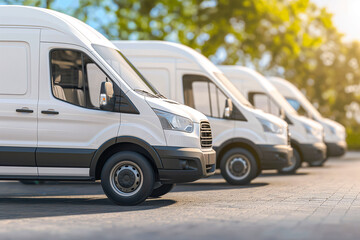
(263, 102)
(75, 78)
(203, 95)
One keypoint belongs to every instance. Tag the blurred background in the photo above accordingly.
(312, 43)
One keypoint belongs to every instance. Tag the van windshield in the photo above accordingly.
(232, 89)
(282, 102)
(306, 104)
(126, 70)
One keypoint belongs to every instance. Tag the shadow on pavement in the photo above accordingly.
(282, 175)
(44, 206)
(211, 186)
(216, 182)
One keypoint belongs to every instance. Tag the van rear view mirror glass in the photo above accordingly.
(107, 96)
(228, 108)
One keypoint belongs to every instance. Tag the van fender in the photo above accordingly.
(239, 141)
(124, 139)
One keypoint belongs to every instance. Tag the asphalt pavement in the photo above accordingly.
(316, 203)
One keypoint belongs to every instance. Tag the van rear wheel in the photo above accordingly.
(295, 164)
(161, 190)
(127, 178)
(238, 166)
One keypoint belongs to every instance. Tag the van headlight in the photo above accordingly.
(270, 126)
(332, 129)
(312, 131)
(170, 121)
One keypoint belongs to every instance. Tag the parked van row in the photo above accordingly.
(139, 115)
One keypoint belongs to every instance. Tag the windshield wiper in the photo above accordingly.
(147, 93)
(160, 95)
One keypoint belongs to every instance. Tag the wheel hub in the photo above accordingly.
(127, 178)
(238, 166)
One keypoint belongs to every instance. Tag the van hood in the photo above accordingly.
(309, 122)
(333, 124)
(335, 128)
(174, 107)
(272, 118)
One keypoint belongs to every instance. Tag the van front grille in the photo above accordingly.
(205, 135)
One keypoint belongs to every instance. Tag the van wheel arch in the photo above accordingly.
(123, 144)
(234, 143)
(296, 145)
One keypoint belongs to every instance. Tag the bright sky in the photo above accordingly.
(346, 16)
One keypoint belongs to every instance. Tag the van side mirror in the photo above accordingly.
(107, 102)
(228, 108)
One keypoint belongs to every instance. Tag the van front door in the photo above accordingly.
(203, 95)
(71, 124)
(19, 59)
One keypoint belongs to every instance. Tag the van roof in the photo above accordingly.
(18, 16)
(291, 91)
(264, 83)
(250, 73)
(166, 49)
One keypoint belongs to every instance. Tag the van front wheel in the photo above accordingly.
(295, 164)
(161, 190)
(238, 166)
(127, 178)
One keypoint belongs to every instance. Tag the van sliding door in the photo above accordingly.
(19, 58)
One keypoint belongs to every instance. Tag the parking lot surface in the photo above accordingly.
(316, 203)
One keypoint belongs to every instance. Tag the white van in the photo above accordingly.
(73, 108)
(306, 134)
(335, 134)
(246, 140)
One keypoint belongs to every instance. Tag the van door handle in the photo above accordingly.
(50, 112)
(24, 110)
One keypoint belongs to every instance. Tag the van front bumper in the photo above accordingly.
(185, 164)
(313, 152)
(275, 156)
(336, 149)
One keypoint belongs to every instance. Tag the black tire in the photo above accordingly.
(317, 163)
(162, 190)
(32, 182)
(127, 178)
(238, 166)
(296, 163)
(259, 171)
(321, 162)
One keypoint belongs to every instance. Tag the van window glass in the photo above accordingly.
(203, 95)
(126, 70)
(76, 79)
(214, 100)
(264, 102)
(297, 106)
(261, 101)
(201, 98)
(274, 108)
(14, 68)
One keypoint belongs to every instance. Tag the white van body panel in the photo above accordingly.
(288, 90)
(249, 81)
(19, 49)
